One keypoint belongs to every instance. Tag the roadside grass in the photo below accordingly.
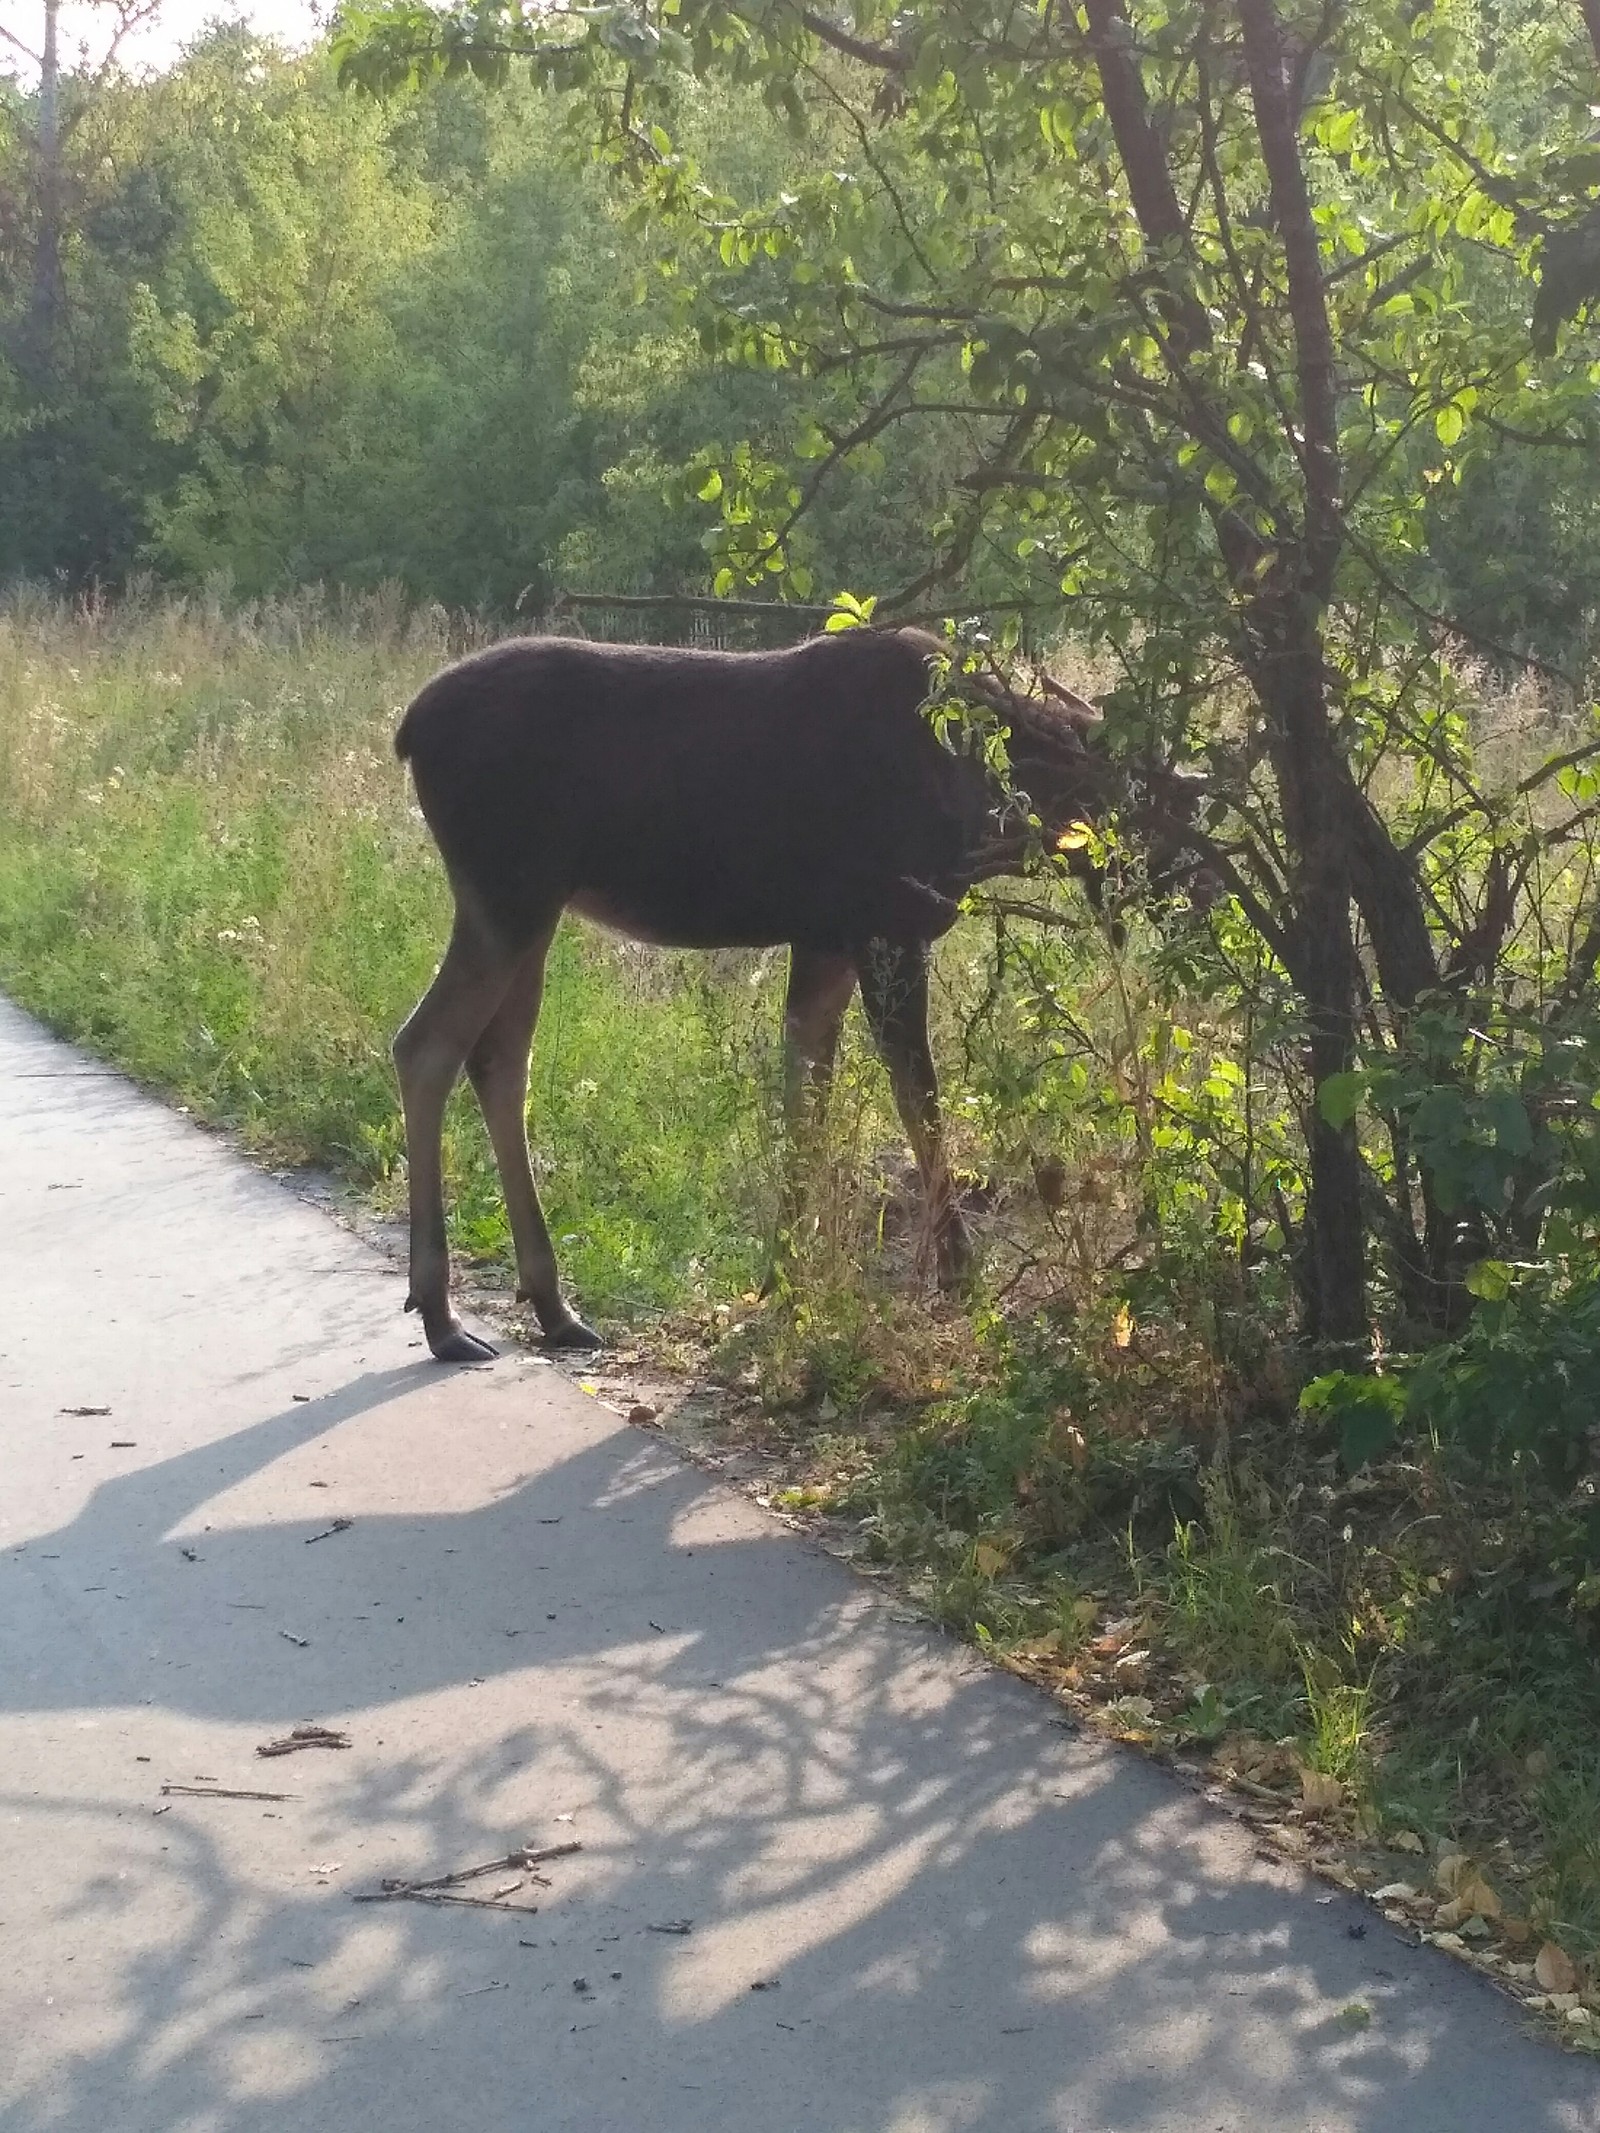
(211, 873)
(1374, 1659)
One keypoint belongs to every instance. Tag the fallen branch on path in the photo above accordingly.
(223, 1792)
(304, 1737)
(444, 1887)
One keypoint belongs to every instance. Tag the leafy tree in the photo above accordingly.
(304, 338)
(67, 503)
(1223, 291)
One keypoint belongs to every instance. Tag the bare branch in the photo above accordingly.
(875, 164)
(1496, 186)
(129, 18)
(936, 314)
(17, 44)
(1218, 858)
(888, 58)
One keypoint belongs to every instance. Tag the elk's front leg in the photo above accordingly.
(894, 992)
(819, 992)
(428, 1054)
(497, 1066)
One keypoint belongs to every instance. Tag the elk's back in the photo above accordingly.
(700, 799)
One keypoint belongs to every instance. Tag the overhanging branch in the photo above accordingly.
(887, 58)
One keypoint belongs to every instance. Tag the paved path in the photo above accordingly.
(541, 1626)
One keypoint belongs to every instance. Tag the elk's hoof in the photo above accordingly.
(573, 1334)
(457, 1345)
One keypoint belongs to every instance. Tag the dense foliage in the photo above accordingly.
(304, 338)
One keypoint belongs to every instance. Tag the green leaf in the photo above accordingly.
(1449, 422)
(1366, 1410)
(1340, 1097)
(1490, 1281)
(1513, 1129)
(711, 488)
(1365, 1432)
(850, 613)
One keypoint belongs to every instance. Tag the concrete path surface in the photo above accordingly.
(918, 1904)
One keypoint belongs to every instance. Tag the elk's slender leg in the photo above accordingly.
(820, 987)
(894, 992)
(429, 1053)
(497, 1067)
(813, 1014)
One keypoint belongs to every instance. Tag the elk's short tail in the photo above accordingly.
(443, 698)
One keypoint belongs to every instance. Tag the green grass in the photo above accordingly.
(211, 871)
(1228, 1586)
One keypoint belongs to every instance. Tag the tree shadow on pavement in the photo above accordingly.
(960, 1914)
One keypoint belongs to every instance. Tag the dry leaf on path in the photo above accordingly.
(1451, 1867)
(1477, 1899)
(1319, 1793)
(1555, 1969)
(1130, 1715)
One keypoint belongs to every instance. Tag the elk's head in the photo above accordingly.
(1061, 776)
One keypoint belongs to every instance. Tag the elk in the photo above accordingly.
(706, 799)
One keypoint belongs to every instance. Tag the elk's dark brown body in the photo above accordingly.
(698, 799)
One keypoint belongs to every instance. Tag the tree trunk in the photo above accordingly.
(44, 311)
(1287, 669)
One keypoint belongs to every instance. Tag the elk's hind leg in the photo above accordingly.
(894, 992)
(429, 1053)
(497, 1067)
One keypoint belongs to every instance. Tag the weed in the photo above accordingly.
(1227, 1596)
(1339, 1707)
